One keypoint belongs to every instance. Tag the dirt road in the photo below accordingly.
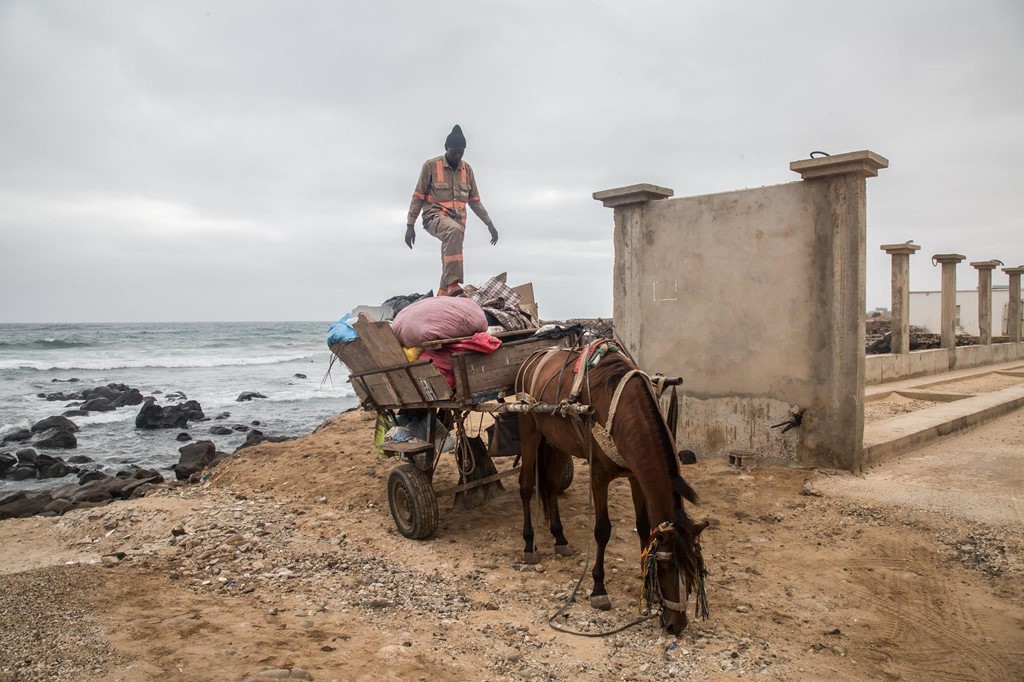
(288, 560)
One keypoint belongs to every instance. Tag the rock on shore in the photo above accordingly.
(153, 416)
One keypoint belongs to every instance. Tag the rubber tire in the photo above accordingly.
(568, 473)
(413, 502)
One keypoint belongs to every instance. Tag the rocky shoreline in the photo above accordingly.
(21, 459)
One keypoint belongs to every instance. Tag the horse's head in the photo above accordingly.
(673, 568)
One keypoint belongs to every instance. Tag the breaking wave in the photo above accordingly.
(44, 344)
(183, 362)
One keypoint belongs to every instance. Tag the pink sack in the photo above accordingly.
(441, 317)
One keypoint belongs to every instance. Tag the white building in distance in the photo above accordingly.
(926, 310)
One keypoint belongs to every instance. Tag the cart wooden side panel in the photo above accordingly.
(408, 385)
(478, 374)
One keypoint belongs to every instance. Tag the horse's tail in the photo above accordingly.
(546, 456)
(684, 490)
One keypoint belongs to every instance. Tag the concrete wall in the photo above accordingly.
(880, 369)
(926, 310)
(755, 298)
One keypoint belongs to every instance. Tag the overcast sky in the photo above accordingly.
(254, 160)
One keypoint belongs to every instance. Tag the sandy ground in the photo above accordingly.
(893, 406)
(287, 560)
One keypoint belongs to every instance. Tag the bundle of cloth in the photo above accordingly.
(501, 305)
(443, 317)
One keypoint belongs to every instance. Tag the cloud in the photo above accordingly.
(255, 161)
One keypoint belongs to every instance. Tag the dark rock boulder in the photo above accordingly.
(27, 456)
(59, 506)
(108, 488)
(94, 491)
(55, 470)
(246, 396)
(151, 475)
(60, 395)
(43, 459)
(223, 415)
(23, 472)
(65, 491)
(19, 436)
(255, 437)
(57, 422)
(183, 437)
(7, 462)
(130, 397)
(299, 375)
(194, 457)
(57, 438)
(98, 405)
(7, 498)
(91, 475)
(153, 416)
(75, 413)
(241, 428)
(27, 506)
(110, 392)
(80, 459)
(220, 430)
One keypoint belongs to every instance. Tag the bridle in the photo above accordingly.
(650, 588)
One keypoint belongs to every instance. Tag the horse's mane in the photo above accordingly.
(608, 373)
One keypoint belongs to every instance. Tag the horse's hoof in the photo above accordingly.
(601, 602)
(530, 558)
(564, 550)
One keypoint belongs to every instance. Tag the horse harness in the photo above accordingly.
(588, 357)
(652, 554)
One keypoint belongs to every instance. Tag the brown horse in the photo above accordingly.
(643, 450)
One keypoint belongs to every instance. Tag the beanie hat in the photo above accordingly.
(455, 138)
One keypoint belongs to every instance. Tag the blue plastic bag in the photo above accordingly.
(342, 331)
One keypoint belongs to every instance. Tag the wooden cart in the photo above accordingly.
(385, 382)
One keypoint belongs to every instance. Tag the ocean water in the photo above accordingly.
(210, 362)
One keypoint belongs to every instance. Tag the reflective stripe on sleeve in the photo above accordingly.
(457, 258)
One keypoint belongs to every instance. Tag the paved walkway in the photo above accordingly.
(962, 399)
(976, 474)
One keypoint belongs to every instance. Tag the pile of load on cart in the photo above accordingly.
(424, 371)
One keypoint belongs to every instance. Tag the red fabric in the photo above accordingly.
(481, 342)
(442, 359)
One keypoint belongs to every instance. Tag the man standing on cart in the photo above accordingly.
(446, 185)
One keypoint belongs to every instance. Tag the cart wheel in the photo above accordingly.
(567, 475)
(413, 502)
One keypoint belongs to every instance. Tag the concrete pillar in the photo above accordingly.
(949, 262)
(837, 430)
(1013, 321)
(628, 285)
(900, 325)
(985, 268)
